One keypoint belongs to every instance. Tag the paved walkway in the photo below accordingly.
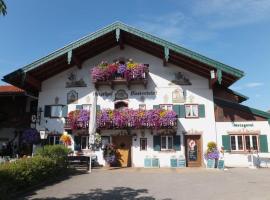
(165, 184)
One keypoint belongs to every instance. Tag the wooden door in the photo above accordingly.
(193, 150)
(123, 150)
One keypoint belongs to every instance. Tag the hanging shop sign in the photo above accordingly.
(121, 92)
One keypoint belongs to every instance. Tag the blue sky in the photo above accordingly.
(233, 32)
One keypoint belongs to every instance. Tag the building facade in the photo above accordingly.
(180, 99)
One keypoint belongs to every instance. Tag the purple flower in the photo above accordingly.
(30, 136)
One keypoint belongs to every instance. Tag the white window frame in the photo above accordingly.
(244, 142)
(166, 106)
(167, 142)
(141, 139)
(142, 106)
(87, 142)
(54, 109)
(194, 109)
(54, 139)
(86, 107)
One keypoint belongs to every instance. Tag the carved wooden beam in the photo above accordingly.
(33, 82)
(77, 61)
(166, 56)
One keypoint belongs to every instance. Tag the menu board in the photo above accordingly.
(192, 155)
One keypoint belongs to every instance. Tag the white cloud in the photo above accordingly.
(231, 13)
(204, 19)
(247, 85)
(254, 84)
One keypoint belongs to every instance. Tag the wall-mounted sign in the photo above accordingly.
(105, 94)
(180, 79)
(73, 82)
(243, 125)
(121, 95)
(178, 96)
(143, 93)
(72, 97)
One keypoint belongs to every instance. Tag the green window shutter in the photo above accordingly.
(263, 143)
(79, 107)
(226, 142)
(98, 108)
(156, 106)
(156, 143)
(201, 111)
(64, 111)
(182, 111)
(47, 111)
(176, 108)
(177, 142)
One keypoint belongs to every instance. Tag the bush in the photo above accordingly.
(27, 172)
(59, 153)
(49, 162)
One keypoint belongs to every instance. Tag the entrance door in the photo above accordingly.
(193, 150)
(123, 150)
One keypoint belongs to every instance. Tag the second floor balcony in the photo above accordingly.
(123, 119)
(117, 73)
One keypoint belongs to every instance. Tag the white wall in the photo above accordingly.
(160, 77)
(243, 159)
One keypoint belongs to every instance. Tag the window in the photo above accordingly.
(166, 106)
(192, 111)
(56, 111)
(166, 142)
(143, 144)
(244, 142)
(53, 139)
(86, 107)
(142, 107)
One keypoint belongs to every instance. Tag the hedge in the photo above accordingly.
(49, 163)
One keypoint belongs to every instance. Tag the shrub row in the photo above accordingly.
(49, 162)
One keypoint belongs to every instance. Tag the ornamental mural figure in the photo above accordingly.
(72, 97)
(178, 96)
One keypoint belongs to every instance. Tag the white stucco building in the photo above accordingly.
(177, 79)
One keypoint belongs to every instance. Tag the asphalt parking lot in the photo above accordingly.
(165, 184)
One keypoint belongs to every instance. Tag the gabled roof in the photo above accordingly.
(110, 36)
(238, 106)
(10, 89)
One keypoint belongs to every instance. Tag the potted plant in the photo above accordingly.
(109, 154)
(212, 152)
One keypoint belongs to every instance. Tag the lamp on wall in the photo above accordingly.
(43, 133)
(135, 136)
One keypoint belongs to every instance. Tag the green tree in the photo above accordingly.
(3, 8)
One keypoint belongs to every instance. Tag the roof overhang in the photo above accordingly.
(31, 76)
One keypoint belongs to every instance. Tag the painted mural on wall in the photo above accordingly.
(178, 96)
(73, 80)
(121, 95)
(72, 97)
(180, 79)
